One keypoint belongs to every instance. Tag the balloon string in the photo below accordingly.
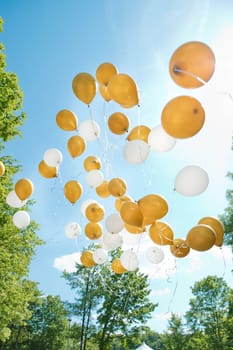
(174, 290)
(224, 262)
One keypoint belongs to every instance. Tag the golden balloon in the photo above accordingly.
(67, 120)
(73, 191)
(201, 237)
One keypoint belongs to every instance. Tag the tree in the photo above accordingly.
(175, 338)
(209, 311)
(119, 301)
(227, 216)
(17, 245)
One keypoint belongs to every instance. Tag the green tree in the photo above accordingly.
(209, 312)
(17, 246)
(119, 301)
(175, 338)
(227, 216)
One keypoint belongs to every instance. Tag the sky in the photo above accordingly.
(47, 44)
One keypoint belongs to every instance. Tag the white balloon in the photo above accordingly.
(191, 181)
(114, 223)
(111, 241)
(159, 140)
(21, 219)
(53, 157)
(14, 201)
(155, 255)
(72, 230)
(85, 204)
(136, 151)
(89, 130)
(129, 260)
(100, 256)
(94, 178)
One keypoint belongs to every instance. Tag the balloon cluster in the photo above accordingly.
(191, 66)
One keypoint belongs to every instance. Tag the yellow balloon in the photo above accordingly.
(105, 72)
(161, 233)
(93, 230)
(192, 64)
(117, 187)
(123, 90)
(117, 266)
(183, 117)
(153, 207)
(94, 212)
(217, 226)
(86, 258)
(118, 123)
(24, 188)
(2, 168)
(179, 248)
(131, 214)
(47, 171)
(120, 200)
(73, 191)
(102, 190)
(84, 87)
(201, 237)
(103, 89)
(92, 163)
(76, 146)
(134, 229)
(67, 120)
(140, 132)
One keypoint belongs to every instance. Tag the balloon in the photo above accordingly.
(153, 207)
(21, 219)
(217, 226)
(120, 200)
(139, 132)
(201, 237)
(179, 248)
(155, 255)
(105, 72)
(118, 123)
(24, 188)
(100, 256)
(112, 241)
(89, 130)
(114, 223)
(102, 190)
(134, 229)
(13, 200)
(84, 87)
(92, 162)
(117, 266)
(103, 89)
(53, 157)
(72, 230)
(94, 178)
(159, 140)
(123, 90)
(86, 258)
(93, 230)
(76, 146)
(67, 120)
(161, 233)
(117, 187)
(2, 168)
(192, 64)
(191, 181)
(129, 260)
(73, 191)
(131, 214)
(47, 171)
(183, 117)
(94, 212)
(136, 151)
(85, 204)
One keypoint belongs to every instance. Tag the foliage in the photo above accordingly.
(119, 301)
(175, 338)
(227, 216)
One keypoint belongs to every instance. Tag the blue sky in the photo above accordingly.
(47, 44)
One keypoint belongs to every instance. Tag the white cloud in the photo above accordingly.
(163, 316)
(193, 263)
(160, 292)
(223, 253)
(67, 262)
